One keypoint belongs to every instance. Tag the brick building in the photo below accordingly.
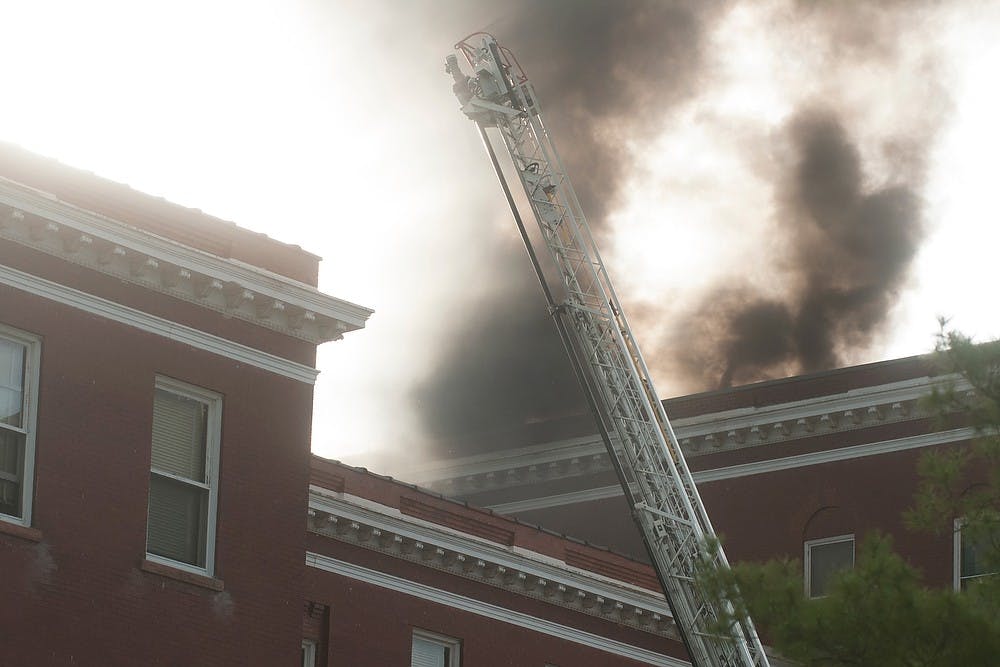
(801, 467)
(156, 370)
(159, 505)
(396, 572)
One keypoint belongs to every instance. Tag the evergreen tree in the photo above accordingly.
(879, 613)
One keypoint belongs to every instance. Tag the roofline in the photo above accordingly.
(805, 377)
(63, 169)
(478, 509)
(152, 261)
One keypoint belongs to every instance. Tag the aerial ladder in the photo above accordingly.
(655, 478)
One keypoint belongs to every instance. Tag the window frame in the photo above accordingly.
(454, 645)
(29, 398)
(957, 577)
(808, 546)
(213, 442)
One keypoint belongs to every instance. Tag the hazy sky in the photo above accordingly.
(332, 125)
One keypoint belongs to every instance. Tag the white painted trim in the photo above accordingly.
(840, 454)
(35, 202)
(213, 445)
(29, 401)
(515, 558)
(480, 608)
(956, 554)
(957, 557)
(156, 325)
(853, 399)
(755, 468)
(808, 546)
(738, 419)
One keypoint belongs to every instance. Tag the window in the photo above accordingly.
(19, 355)
(432, 650)
(308, 653)
(183, 480)
(825, 558)
(970, 556)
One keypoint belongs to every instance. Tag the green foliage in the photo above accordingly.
(964, 483)
(877, 614)
(880, 613)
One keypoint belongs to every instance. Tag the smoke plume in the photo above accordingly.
(850, 244)
(610, 76)
(607, 71)
(851, 250)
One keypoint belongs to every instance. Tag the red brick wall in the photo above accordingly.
(79, 596)
(427, 506)
(770, 515)
(168, 307)
(372, 625)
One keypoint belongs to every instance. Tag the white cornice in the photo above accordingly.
(491, 611)
(704, 434)
(854, 399)
(386, 529)
(42, 222)
(840, 454)
(747, 469)
(156, 325)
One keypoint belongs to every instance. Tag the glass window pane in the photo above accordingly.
(178, 514)
(971, 564)
(11, 382)
(11, 463)
(825, 561)
(976, 545)
(179, 427)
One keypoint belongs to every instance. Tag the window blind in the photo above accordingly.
(11, 382)
(179, 427)
(177, 517)
(426, 653)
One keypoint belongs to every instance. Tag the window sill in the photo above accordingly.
(24, 532)
(177, 574)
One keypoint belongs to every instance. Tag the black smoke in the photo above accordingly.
(606, 71)
(851, 249)
(609, 74)
(504, 374)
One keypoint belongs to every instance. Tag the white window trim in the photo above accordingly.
(32, 364)
(807, 560)
(213, 438)
(956, 554)
(308, 653)
(957, 557)
(455, 645)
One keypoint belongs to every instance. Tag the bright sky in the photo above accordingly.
(332, 125)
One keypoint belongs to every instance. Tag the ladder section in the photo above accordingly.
(655, 476)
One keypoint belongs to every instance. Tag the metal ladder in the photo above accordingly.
(654, 475)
